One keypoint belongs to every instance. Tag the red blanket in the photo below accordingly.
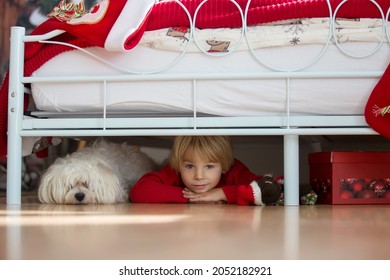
(97, 29)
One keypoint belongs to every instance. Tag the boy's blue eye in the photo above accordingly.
(209, 166)
(189, 166)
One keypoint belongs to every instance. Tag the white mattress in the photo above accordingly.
(226, 97)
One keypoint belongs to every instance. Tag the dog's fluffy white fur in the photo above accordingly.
(101, 173)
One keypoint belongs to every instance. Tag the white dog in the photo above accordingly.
(102, 173)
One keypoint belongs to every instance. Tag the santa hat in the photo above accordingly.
(377, 111)
(260, 192)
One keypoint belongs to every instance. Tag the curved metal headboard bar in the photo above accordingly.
(299, 68)
(42, 38)
(384, 25)
(128, 71)
(220, 53)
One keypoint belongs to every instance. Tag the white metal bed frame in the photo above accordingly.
(286, 125)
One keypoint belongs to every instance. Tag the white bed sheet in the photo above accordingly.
(225, 98)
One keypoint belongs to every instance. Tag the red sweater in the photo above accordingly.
(166, 185)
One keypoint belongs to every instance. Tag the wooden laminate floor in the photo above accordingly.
(170, 231)
(173, 231)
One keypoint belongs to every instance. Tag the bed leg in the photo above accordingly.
(291, 170)
(15, 116)
(14, 170)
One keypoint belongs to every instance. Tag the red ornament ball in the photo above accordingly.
(346, 194)
(358, 186)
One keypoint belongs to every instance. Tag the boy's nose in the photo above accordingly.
(199, 174)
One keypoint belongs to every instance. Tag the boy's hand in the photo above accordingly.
(214, 195)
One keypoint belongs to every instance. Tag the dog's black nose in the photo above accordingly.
(79, 196)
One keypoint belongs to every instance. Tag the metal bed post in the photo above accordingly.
(15, 116)
(291, 157)
(291, 169)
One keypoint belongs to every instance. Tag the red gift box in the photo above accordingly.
(351, 177)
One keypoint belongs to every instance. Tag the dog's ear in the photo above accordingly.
(106, 185)
(52, 189)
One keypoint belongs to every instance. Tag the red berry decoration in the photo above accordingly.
(379, 188)
(358, 186)
(346, 194)
(367, 181)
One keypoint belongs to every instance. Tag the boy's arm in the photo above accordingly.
(215, 195)
(157, 187)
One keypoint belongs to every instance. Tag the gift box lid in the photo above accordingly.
(349, 157)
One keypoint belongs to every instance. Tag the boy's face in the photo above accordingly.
(198, 174)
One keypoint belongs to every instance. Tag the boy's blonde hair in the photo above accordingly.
(212, 148)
